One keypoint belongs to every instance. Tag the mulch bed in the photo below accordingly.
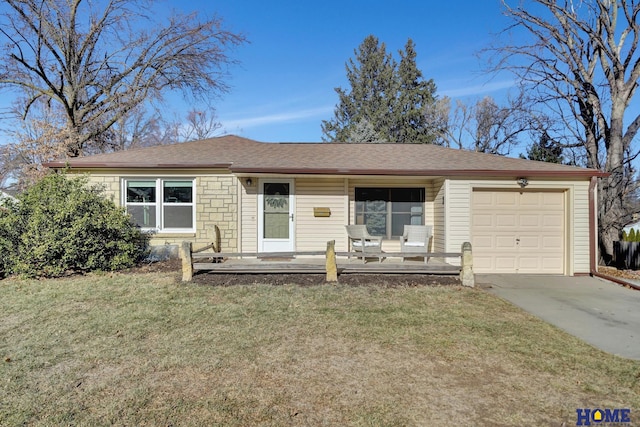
(384, 280)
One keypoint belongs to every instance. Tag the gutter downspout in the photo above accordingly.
(593, 239)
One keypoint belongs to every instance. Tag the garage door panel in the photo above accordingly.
(551, 242)
(482, 242)
(481, 263)
(483, 220)
(506, 199)
(506, 220)
(483, 199)
(529, 263)
(518, 231)
(530, 243)
(506, 262)
(530, 199)
(504, 242)
(553, 220)
(552, 263)
(553, 199)
(529, 220)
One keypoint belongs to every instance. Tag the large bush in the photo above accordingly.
(5, 240)
(62, 224)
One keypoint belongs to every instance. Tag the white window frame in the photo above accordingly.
(159, 203)
(389, 207)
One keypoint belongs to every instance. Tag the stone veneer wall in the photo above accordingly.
(216, 204)
(111, 185)
(217, 198)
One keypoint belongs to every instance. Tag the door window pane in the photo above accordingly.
(276, 210)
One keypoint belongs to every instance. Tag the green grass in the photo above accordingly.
(143, 350)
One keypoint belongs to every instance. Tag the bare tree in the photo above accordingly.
(485, 126)
(7, 166)
(98, 61)
(33, 142)
(141, 127)
(581, 59)
(200, 124)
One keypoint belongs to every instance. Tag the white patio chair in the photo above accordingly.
(415, 240)
(362, 241)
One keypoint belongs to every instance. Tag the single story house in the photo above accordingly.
(521, 216)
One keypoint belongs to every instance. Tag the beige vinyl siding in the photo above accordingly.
(439, 217)
(249, 215)
(580, 214)
(457, 205)
(393, 245)
(312, 233)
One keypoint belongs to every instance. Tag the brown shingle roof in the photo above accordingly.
(241, 155)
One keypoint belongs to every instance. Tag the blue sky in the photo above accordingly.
(284, 85)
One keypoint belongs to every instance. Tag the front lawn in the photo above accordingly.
(141, 349)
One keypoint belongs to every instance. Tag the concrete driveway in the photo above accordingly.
(603, 314)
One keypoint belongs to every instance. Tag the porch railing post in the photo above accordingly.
(187, 266)
(331, 266)
(466, 273)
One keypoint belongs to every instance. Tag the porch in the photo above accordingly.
(330, 262)
(296, 263)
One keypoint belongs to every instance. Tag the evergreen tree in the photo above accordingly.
(545, 150)
(370, 76)
(390, 98)
(414, 96)
(363, 131)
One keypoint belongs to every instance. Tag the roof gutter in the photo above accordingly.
(581, 173)
(124, 165)
(593, 240)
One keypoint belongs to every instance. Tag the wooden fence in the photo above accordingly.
(626, 255)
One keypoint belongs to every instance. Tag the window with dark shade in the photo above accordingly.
(385, 211)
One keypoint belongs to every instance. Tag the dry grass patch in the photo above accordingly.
(143, 350)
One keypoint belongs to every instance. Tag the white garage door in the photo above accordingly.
(518, 232)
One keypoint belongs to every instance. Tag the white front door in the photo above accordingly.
(276, 220)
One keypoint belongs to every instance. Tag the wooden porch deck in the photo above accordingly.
(317, 265)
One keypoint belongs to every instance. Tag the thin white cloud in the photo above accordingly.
(458, 92)
(270, 119)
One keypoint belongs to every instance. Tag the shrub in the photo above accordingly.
(62, 224)
(6, 246)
